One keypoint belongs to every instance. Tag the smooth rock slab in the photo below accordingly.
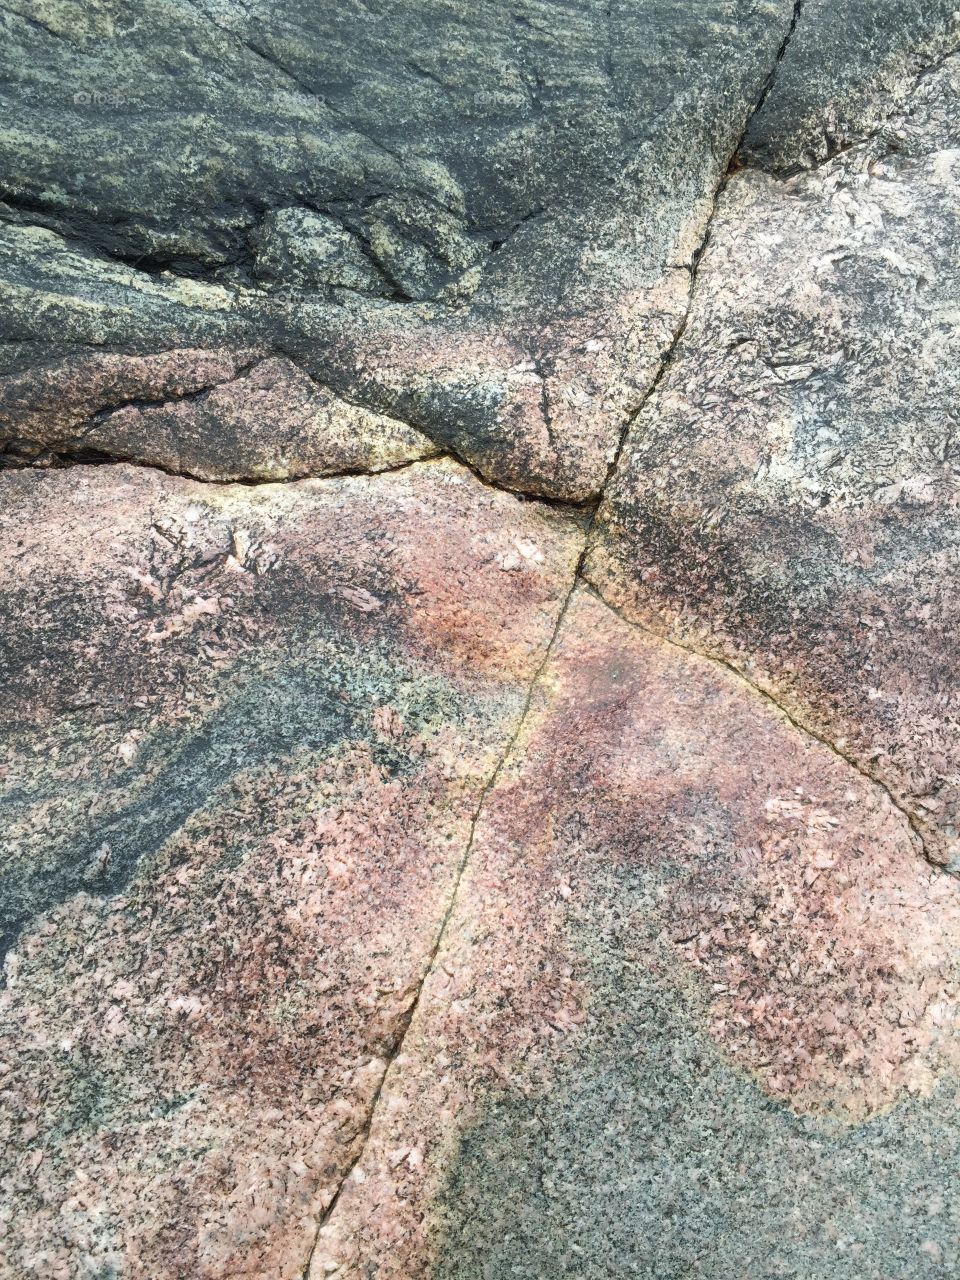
(246, 731)
(789, 499)
(695, 1013)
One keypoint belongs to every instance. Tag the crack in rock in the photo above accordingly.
(791, 716)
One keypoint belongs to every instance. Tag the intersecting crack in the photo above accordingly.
(579, 578)
(74, 453)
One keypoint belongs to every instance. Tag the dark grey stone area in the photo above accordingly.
(652, 1158)
(848, 66)
(415, 201)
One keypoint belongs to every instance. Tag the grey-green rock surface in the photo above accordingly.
(478, 219)
(849, 68)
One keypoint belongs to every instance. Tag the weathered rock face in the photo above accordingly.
(474, 218)
(246, 735)
(405, 877)
(849, 67)
(477, 220)
(789, 497)
(691, 949)
(215, 415)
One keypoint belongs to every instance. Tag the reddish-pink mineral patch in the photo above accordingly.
(248, 733)
(782, 886)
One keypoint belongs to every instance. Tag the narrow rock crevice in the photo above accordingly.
(772, 77)
(100, 415)
(916, 65)
(667, 360)
(58, 460)
(733, 163)
(104, 243)
(696, 257)
(22, 453)
(62, 459)
(497, 243)
(578, 578)
(409, 1014)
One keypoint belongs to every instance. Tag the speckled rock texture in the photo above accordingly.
(478, 219)
(246, 732)
(214, 415)
(696, 1011)
(479, 680)
(789, 499)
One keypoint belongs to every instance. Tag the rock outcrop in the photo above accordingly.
(479, 553)
(247, 733)
(789, 499)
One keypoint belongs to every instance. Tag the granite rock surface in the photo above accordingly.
(479, 769)
(478, 219)
(695, 1011)
(789, 499)
(246, 733)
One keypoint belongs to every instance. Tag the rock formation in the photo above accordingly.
(480, 552)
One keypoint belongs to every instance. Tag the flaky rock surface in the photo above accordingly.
(479, 768)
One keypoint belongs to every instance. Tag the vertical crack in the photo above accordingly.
(577, 579)
(667, 358)
(772, 76)
(410, 1012)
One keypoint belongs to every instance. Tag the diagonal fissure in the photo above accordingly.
(578, 578)
(669, 355)
(411, 1010)
(791, 716)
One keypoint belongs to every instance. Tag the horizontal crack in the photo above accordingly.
(101, 415)
(71, 451)
(102, 242)
(66, 459)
